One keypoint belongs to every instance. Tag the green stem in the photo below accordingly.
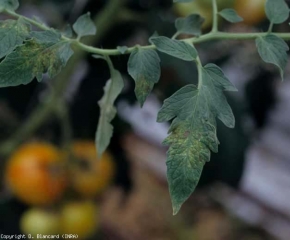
(270, 27)
(215, 16)
(199, 70)
(213, 35)
(175, 35)
(110, 64)
(204, 38)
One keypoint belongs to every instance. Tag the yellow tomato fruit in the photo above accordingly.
(39, 221)
(79, 218)
(252, 11)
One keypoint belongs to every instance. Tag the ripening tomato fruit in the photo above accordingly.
(79, 218)
(201, 7)
(252, 11)
(89, 175)
(35, 173)
(39, 221)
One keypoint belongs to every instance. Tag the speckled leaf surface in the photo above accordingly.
(44, 53)
(193, 130)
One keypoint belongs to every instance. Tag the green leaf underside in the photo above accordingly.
(230, 15)
(175, 48)
(11, 5)
(277, 11)
(273, 49)
(144, 68)
(12, 34)
(45, 52)
(193, 130)
(84, 26)
(190, 24)
(105, 129)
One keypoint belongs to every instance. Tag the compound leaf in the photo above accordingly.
(273, 49)
(144, 68)
(12, 34)
(84, 26)
(190, 24)
(230, 15)
(45, 52)
(175, 48)
(105, 129)
(193, 130)
(277, 11)
(11, 5)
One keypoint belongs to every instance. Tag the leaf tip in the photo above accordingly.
(176, 208)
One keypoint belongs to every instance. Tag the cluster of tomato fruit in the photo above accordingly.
(40, 175)
(252, 11)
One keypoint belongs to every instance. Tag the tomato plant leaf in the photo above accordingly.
(45, 52)
(273, 49)
(11, 5)
(68, 32)
(175, 48)
(193, 130)
(46, 36)
(230, 15)
(144, 68)
(84, 26)
(277, 11)
(190, 24)
(105, 129)
(122, 49)
(12, 34)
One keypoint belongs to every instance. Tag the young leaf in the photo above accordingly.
(190, 25)
(67, 32)
(230, 15)
(277, 11)
(84, 26)
(175, 48)
(122, 49)
(12, 34)
(144, 68)
(11, 5)
(193, 130)
(105, 130)
(46, 52)
(273, 49)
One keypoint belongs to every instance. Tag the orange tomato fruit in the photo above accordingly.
(252, 11)
(79, 218)
(89, 175)
(35, 173)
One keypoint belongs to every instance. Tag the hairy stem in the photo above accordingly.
(199, 70)
(213, 35)
(270, 27)
(215, 16)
